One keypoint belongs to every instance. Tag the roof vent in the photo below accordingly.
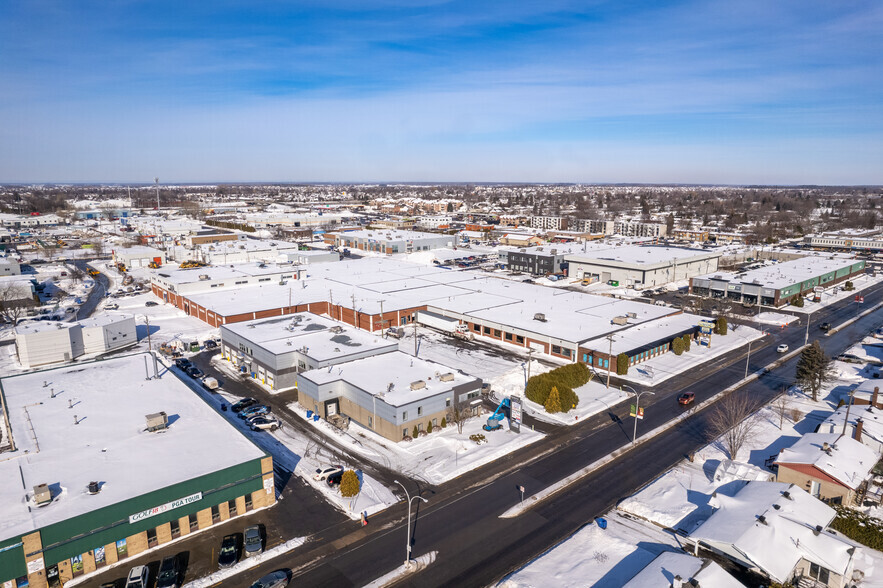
(448, 377)
(94, 487)
(336, 329)
(761, 519)
(631, 315)
(203, 276)
(619, 320)
(539, 317)
(157, 421)
(787, 495)
(418, 385)
(42, 494)
(817, 530)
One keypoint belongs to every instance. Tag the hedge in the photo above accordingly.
(859, 527)
(622, 364)
(565, 378)
(720, 325)
(677, 346)
(688, 340)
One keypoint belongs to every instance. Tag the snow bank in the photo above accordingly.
(246, 564)
(417, 565)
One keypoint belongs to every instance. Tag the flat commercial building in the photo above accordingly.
(845, 242)
(133, 257)
(778, 284)
(43, 343)
(276, 350)
(642, 267)
(9, 267)
(392, 394)
(91, 476)
(172, 284)
(393, 241)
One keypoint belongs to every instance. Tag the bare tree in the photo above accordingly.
(458, 413)
(781, 407)
(733, 421)
(14, 300)
(77, 275)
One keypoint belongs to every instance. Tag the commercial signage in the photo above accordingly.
(151, 512)
(35, 565)
(268, 485)
(639, 414)
(515, 413)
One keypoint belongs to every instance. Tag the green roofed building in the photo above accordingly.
(98, 463)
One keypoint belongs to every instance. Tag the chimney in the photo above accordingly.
(874, 397)
(817, 530)
(859, 425)
(825, 446)
(677, 582)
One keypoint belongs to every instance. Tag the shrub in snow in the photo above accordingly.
(797, 301)
(677, 346)
(349, 484)
(407, 438)
(622, 364)
(848, 286)
(859, 527)
(553, 402)
(720, 325)
(564, 378)
(478, 438)
(429, 427)
(415, 432)
(444, 423)
(687, 341)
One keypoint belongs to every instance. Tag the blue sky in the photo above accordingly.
(785, 92)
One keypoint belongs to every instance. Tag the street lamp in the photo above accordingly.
(408, 545)
(637, 408)
(808, 320)
(747, 357)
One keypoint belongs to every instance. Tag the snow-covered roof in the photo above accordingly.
(786, 273)
(109, 443)
(839, 456)
(773, 531)
(394, 235)
(31, 327)
(642, 255)
(872, 421)
(104, 319)
(137, 251)
(647, 332)
(222, 272)
(662, 570)
(389, 376)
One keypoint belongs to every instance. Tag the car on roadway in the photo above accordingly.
(264, 423)
(254, 543)
(168, 575)
(137, 577)
(258, 410)
(183, 364)
(277, 579)
(243, 404)
(228, 556)
(334, 479)
(323, 473)
(782, 348)
(151, 303)
(825, 327)
(194, 372)
(686, 398)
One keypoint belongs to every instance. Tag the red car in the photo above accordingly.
(686, 398)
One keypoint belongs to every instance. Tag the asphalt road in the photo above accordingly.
(96, 295)
(475, 547)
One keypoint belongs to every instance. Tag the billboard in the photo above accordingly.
(515, 413)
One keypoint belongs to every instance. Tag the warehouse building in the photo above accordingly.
(393, 241)
(9, 267)
(138, 256)
(845, 242)
(392, 394)
(642, 267)
(778, 284)
(275, 350)
(104, 464)
(41, 343)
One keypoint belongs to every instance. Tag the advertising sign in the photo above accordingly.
(515, 413)
(151, 512)
(639, 414)
(35, 565)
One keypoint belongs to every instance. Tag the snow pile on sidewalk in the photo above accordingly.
(246, 564)
(774, 318)
(417, 565)
(595, 556)
(436, 457)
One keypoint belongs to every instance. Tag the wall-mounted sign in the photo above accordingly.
(35, 565)
(151, 512)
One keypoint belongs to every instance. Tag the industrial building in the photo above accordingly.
(133, 257)
(103, 463)
(778, 284)
(845, 242)
(9, 267)
(41, 343)
(392, 394)
(275, 350)
(393, 241)
(642, 267)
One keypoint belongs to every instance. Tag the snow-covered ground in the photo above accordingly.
(417, 564)
(663, 367)
(435, 458)
(596, 557)
(774, 318)
(829, 296)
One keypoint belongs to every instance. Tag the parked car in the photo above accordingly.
(211, 344)
(183, 364)
(334, 479)
(264, 423)
(277, 579)
(825, 327)
(686, 398)
(151, 303)
(112, 306)
(229, 553)
(243, 404)
(254, 543)
(168, 575)
(782, 348)
(251, 411)
(194, 372)
(137, 577)
(323, 473)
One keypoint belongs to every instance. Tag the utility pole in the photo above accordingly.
(414, 318)
(156, 183)
(747, 357)
(609, 356)
(355, 316)
(147, 320)
(529, 356)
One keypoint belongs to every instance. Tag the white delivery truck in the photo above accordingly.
(444, 324)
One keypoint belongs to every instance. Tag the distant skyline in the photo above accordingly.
(431, 91)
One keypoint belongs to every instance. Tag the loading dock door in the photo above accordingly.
(538, 347)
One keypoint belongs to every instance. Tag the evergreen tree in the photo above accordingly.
(429, 427)
(415, 432)
(349, 484)
(677, 346)
(720, 325)
(553, 402)
(813, 369)
(444, 422)
(688, 340)
(622, 364)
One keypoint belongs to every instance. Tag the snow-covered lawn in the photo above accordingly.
(774, 318)
(595, 556)
(663, 367)
(435, 458)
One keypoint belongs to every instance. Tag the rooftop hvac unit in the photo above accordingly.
(203, 276)
(93, 487)
(157, 421)
(336, 329)
(539, 317)
(42, 494)
(418, 385)
(620, 320)
(448, 377)
(631, 315)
